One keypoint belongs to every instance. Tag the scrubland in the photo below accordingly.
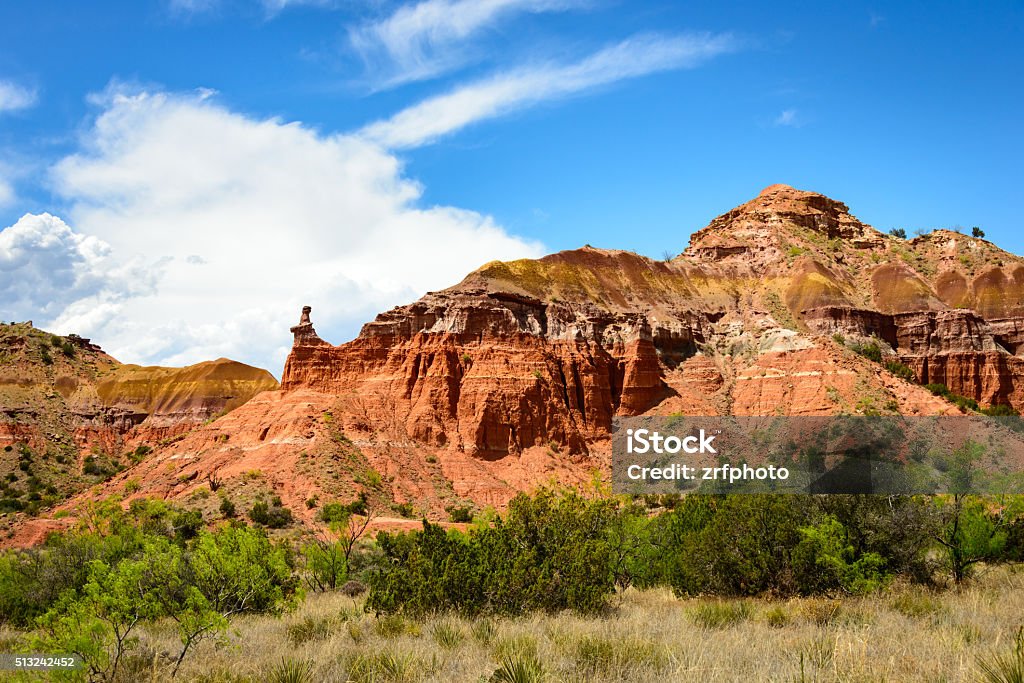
(906, 633)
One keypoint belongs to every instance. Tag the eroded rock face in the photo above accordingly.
(531, 352)
(511, 378)
(86, 399)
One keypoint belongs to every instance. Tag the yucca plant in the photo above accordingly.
(519, 669)
(448, 635)
(291, 671)
(1005, 667)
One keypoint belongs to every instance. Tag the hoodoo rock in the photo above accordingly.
(548, 351)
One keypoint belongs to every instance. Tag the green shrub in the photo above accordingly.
(326, 564)
(273, 516)
(227, 508)
(1000, 410)
(550, 552)
(870, 350)
(404, 509)
(900, 370)
(825, 559)
(459, 514)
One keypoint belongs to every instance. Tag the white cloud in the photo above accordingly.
(14, 97)
(45, 267)
(429, 38)
(425, 122)
(788, 117)
(252, 219)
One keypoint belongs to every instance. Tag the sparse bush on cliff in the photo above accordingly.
(870, 350)
(227, 508)
(899, 232)
(1000, 410)
(274, 516)
(900, 370)
(460, 514)
(956, 399)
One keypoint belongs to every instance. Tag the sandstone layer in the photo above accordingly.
(512, 378)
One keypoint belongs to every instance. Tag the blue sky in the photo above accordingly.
(180, 175)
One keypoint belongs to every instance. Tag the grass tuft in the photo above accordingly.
(720, 613)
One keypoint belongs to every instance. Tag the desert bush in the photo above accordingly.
(617, 656)
(227, 508)
(825, 559)
(549, 553)
(382, 666)
(900, 370)
(459, 514)
(274, 516)
(776, 616)
(870, 350)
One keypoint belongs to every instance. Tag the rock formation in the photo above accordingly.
(512, 377)
(69, 412)
(530, 352)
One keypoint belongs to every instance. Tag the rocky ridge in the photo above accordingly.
(70, 413)
(512, 377)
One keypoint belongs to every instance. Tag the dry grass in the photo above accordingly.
(906, 634)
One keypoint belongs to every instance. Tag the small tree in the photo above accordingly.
(899, 232)
(329, 554)
(98, 622)
(977, 232)
(971, 533)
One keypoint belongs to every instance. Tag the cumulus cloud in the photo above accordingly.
(423, 40)
(14, 97)
(243, 221)
(438, 116)
(45, 267)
